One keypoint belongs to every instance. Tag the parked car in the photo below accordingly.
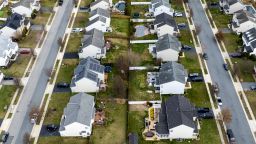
(208, 115)
(186, 47)
(77, 30)
(62, 85)
(51, 128)
(8, 78)
(84, 7)
(60, 2)
(108, 69)
(193, 74)
(235, 55)
(214, 4)
(253, 87)
(203, 110)
(205, 56)
(197, 79)
(5, 137)
(24, 51)
(219, 101)
(178, 14)
(182, 25)
(231, 137)
(225, 66)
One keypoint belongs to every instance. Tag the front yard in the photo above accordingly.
(7, 93)
(30, 40)
(41, 19)
(190, 62)
(245, 68)
(62, 140)
(251, 97)
(221, 20)
(232, 42)
(74, 42)
(66, 70)
(81, 19)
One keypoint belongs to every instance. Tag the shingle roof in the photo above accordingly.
(165, 19)
(6, 44)
(176, 111)
(79, 109)
(14, 21)
(100, 18)
(250, 35)
(172, 71)
(97, 1)
(101, 12)
(244, 16)
(168, 42)
(94, 37)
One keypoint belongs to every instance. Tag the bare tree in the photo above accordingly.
(60, 42)
(219, 36)
(226, 115)
(119, 88)
(191, 14)
(158, 62)
(198, 29)
(26, 138)
(122, 64)
(34, 112)
(17, 82)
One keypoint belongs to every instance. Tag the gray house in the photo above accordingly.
(165, 24)
(88, 76)
(177, 119)
(231, 6)
(78, 116)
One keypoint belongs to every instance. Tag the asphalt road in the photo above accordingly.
(239, 124)
(34, 90)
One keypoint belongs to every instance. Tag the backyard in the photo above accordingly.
(120, 26)
(62, 140)
(142, 50)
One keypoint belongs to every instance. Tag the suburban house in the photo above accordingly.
(168, 48)
(177, 119)
(99, 12)
(26, 8)
(160, 6)
(104, 4)
(249, 40)
(14, 26)
(93, 45)
(78, 116)
(8, 51)
(243, 21)
(99, 23)
(165, 24)
(231, 6)
(172, 78)
(3, 3)
(88, 76)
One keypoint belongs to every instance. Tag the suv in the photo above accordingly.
(5, 137)
(205, 56)
(231, 137)
(62, 85)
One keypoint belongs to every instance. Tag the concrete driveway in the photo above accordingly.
(247, 85)
(229, 97)
(37, 82)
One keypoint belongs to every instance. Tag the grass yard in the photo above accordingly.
(120, 27)
(48, 3)
(177, 5)
(190, 62)
(81, 19)
(221, 20)
(86, 2)
(41, 19)
(74, 42)
(7, 93)
(245, 67)
(138, 87)
(114, 131)
(58, 102)
(66, 70)
(31, 40)
(17, 68)
(232, 42)
(186, 37)
(146, 37)
(5, 11)
(119, 47)
(251, 96)
(62, 140)
(141, 9)
(142, 50)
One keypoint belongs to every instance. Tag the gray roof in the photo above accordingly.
(6, 44)
(244, 16)
(87, 68)
(101, 12)
(172, 71)
(165, 19)
(168, 42)
(164, 3)
(79, 109)
(100, 18)
(250, 35)
(14, 21)
(97, 1)
(231, 2)
(93, 37)
(176, 111)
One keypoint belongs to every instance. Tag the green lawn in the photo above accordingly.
(186, 37)
(177, 5)
(55, 109)
(30, 40)
(232, 42)
(41, 19)
(7, 93)
(251, 97)
(66, 70)
(245, 66)
(221, 20)
(85, 2)
(120, 27)
(190, 62)
(5, 11)
(141, 9)
(62, 140)
(81, 19)
(74, 42)
(142, 50)
(18, 68)
(48, 3)
(138, 87)
(114, 131)
(146, 37)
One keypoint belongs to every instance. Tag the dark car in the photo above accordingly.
(208, 115)
(231, 137)
(214, 4)
(253, 87)
(51, 127)
(182, 25)
(203, 110)
(8, 78)
(225, 66)
(186, 47)
(235, 55)
(62, 85)
(205, 56)
(193, 75)
(60, 2)
(197, 79)
(5, 137)
(108, 69)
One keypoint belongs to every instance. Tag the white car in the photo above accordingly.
(178, 14)
(77, 30)
(219, 101)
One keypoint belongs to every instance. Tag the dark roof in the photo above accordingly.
(14, 21)
(93, 37)
(97, 1)
(100, 18)
(133, 138)
(165, 19)
(250, 35)
(168, 42)
(162, 125)
(101, 12)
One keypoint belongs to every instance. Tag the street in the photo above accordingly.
(239, 124)
(36, 85)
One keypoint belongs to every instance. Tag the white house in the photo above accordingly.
(165, 24)
(99, 12)
(93, 45)
(78, 116)
(99, 23)
(158, 7)
(231, 6)
(168, 48)
(3, 3)
(88, 76)
(104, 4)
(14, 26)
(249, 40)
(177, 119)
(243, 21)
(172, 78)
(8, 51)
(26, 8)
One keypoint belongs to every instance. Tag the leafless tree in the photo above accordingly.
(226, 115)
(119, 88)
(122, 64)
(198, 29)
(60, 42)
(219, 36)
(158, 62)
(17, 82)
(34, 112)
(26, 138)
(191, 14)
(48, 72)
